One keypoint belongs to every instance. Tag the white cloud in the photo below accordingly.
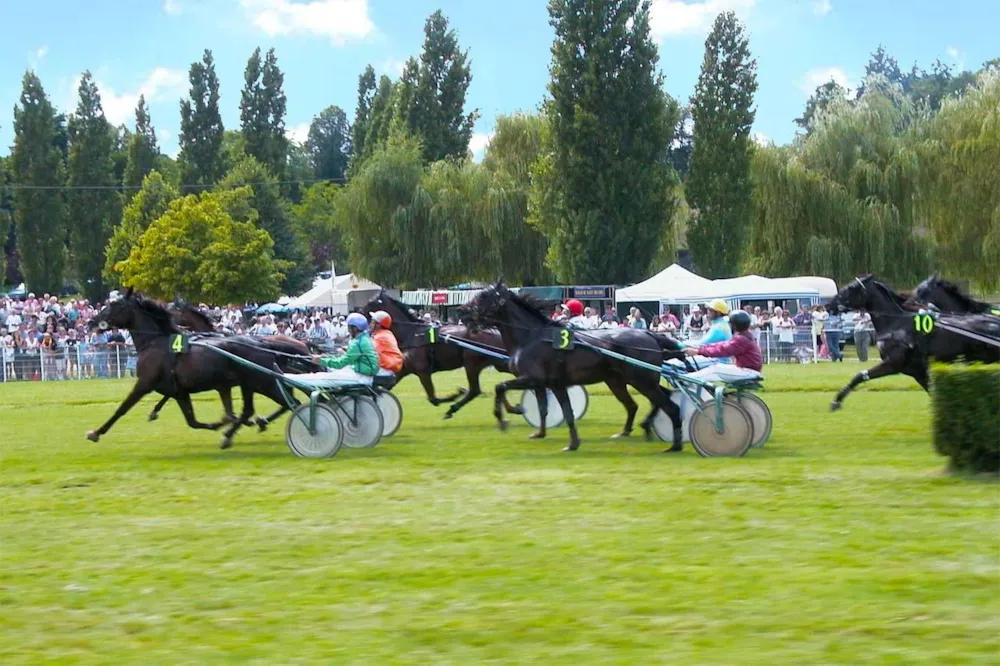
(761, 139)
(41, 52)
(814, 78)
(957, 57)
(674, 18)
(822, 7)
(338, 20)
(478, 144)
(120, 107)
(299, 133)
(172, 7)
(392, 67)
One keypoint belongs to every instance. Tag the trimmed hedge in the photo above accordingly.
(966, 405)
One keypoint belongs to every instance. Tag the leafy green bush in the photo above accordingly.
(966, 403)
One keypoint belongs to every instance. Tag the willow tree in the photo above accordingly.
(841, 202)
(960, 195)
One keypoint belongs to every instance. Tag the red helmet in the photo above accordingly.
(575, 307)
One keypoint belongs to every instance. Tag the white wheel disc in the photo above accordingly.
(760, 417)
(529, 404)
(736, 436)
(392, 413)
(323, 442)
(579, 399)
(362, 420)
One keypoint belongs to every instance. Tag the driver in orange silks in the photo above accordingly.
(390, 359)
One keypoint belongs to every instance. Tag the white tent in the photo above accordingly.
(673, 283)
(341, 293)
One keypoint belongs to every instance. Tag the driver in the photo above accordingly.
(360, 362)
(390, 360)
(718, 331)
(576, 320)
(741, 346)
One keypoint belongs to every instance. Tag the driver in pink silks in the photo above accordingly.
(742, 347)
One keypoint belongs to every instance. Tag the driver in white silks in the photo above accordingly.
(742, 347)
(358, 365)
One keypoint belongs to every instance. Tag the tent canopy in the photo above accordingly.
(675, 284)
(341, 293)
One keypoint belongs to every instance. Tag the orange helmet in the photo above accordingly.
(575, 307)
(382, 318)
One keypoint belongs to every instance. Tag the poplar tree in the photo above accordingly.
(201, 126)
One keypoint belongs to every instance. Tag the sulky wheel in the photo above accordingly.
(362, 419)
(529, 407)
(579, 399)
(760, 416)
(323, 442)
(736, 436)
(392, 413)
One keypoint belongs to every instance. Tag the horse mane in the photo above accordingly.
(532, 305)
(404, 308)
(159, 314)
(955, 292)
(197, 314)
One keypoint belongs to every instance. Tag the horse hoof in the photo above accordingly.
(536, 435)
(448, 415)
(676, 448)
(834, 406)
(571, 448)
(650, 435)
(227, 442)
(153, 416)
(503, 426)
(93, 436)
(462, 391)
(620, 435)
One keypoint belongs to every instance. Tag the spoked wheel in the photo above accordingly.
(529, 409)
(392, 413)
(579, 400)
(362, 419)
(760, 416)
(736, 436)
(323, 442)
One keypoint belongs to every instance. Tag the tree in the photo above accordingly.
(316, 219)
(149, 203)
(516, 249)
(121, 137)
(262, 112)
(432, 101)
(201, 126)
(378, 124)
(958, 150)
(198, 251)
(884, 65)
(363, 113)
(328, 144)
(817, 104)
(40, 214)
(718, 187)
(602, 195)
(142, 147)
(6, 206)
(683, 144)
(273, 216)
(94, 205)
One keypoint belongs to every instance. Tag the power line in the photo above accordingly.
(21, 186)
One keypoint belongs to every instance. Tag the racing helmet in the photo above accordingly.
(382, 318)
(358, 321)
(575, 307)
(739, 321)
(720, 306)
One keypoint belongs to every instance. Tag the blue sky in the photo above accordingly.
(135, 46)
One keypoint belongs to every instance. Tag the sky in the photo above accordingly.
(146, 46)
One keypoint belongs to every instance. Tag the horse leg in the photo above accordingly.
(135, 395)
(660, 399)
(886, 368)
(184, 401)
(226, 396)
(227, 437)
(620, 390)
(511, 409)
(155, 414)
(542, 398)
(563, 397)
(501, 389)
(263, 421)
(472, 376)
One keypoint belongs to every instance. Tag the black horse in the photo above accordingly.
(908, 336)
(423, 357)
(948, 298)
(168, 366)
(533, 338)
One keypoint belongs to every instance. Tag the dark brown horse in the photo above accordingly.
(177, 373)
(423, 358)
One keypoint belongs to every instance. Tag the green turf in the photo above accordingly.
(841, 542)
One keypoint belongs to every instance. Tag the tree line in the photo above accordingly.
(603, 183)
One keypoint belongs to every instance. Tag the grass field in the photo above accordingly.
(843, 541)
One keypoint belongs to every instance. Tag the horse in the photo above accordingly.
(908, 336)
(948, 298)
(423, 358)
(177, 372)
(538, 364)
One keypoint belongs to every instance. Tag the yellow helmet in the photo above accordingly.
(719, 306)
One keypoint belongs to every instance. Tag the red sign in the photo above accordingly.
(439, 298)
